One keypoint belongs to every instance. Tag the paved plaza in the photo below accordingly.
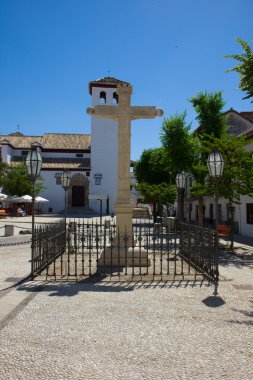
(176, 330)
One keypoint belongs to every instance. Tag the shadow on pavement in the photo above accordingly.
(70, 289)
(213, 301)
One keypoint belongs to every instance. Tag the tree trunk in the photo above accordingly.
(231, 224)
(180, 205)
(154, 212)
(160, 208)
(200, 212)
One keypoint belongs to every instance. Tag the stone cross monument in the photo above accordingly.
(124, 113)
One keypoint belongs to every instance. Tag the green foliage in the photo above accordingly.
(199, 172)
(17, 182)
(237, 178)
(3, 168)
(213, 124)
(244, 68)
(152, 167)
(209, 109)
(179, 144)
(161, 193)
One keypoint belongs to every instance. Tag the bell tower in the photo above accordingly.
(104, 145)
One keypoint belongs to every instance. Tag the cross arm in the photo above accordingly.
(145, 112)
(100, 111)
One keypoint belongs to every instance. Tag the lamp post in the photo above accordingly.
(33, 164)
(215, 164)
(65, 181)
(180, 184)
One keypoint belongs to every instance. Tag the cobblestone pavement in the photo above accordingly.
(120, 331)
(14, 262)
(135, 331)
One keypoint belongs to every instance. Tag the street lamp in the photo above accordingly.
(33, 164)
(65, 181)
(215, 164)
(180, 184)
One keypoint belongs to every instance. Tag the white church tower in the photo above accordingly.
(104, 147)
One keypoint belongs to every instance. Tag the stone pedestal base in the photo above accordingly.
(124, 257)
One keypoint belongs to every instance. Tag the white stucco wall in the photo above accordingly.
(245, 229)
(7, 153)
(104, 153)
(54, 193)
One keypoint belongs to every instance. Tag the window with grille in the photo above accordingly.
(249, 213)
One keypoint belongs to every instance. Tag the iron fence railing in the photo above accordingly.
(150, 252)
(199, 246)
(48, 242)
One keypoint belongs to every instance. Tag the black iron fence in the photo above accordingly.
(149, 252)
(48, 242)
(199, 247)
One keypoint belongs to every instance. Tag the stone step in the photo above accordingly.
(80, 211)
(141, 213)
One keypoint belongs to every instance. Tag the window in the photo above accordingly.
(115, 98)
(97, 180)
(58, 178)
(87, 174)
(249, 213)
(102, 99)
(79, 155)
(24, 152)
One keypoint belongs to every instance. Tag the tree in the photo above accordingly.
(209, 109)
(153, 178)
(244, 68)
(161, 194)
(3, 168)
(152, 167)
(17, 182)
(213, 124)
(181, 148)
(237, 178)
(179, 144)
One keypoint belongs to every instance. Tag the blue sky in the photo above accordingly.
(169, 51)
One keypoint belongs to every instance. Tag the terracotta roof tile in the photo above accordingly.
(106, 82)
(17, 141)
(65, 141)
(49, 141)
(109, 80)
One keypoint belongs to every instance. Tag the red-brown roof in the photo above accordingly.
(248, 115)
(56, 141)
(105, 83)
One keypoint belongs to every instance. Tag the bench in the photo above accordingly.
(223, 230)
(5, 212)
(224, 233)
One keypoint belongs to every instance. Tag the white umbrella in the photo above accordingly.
(3, 196)
(40, 199)
(26, 199)
(13, 199)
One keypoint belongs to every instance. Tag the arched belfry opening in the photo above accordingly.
(115, 98)
(78, 191)
(102, 98)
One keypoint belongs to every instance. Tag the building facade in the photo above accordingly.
(92, 159)
(240, 124)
